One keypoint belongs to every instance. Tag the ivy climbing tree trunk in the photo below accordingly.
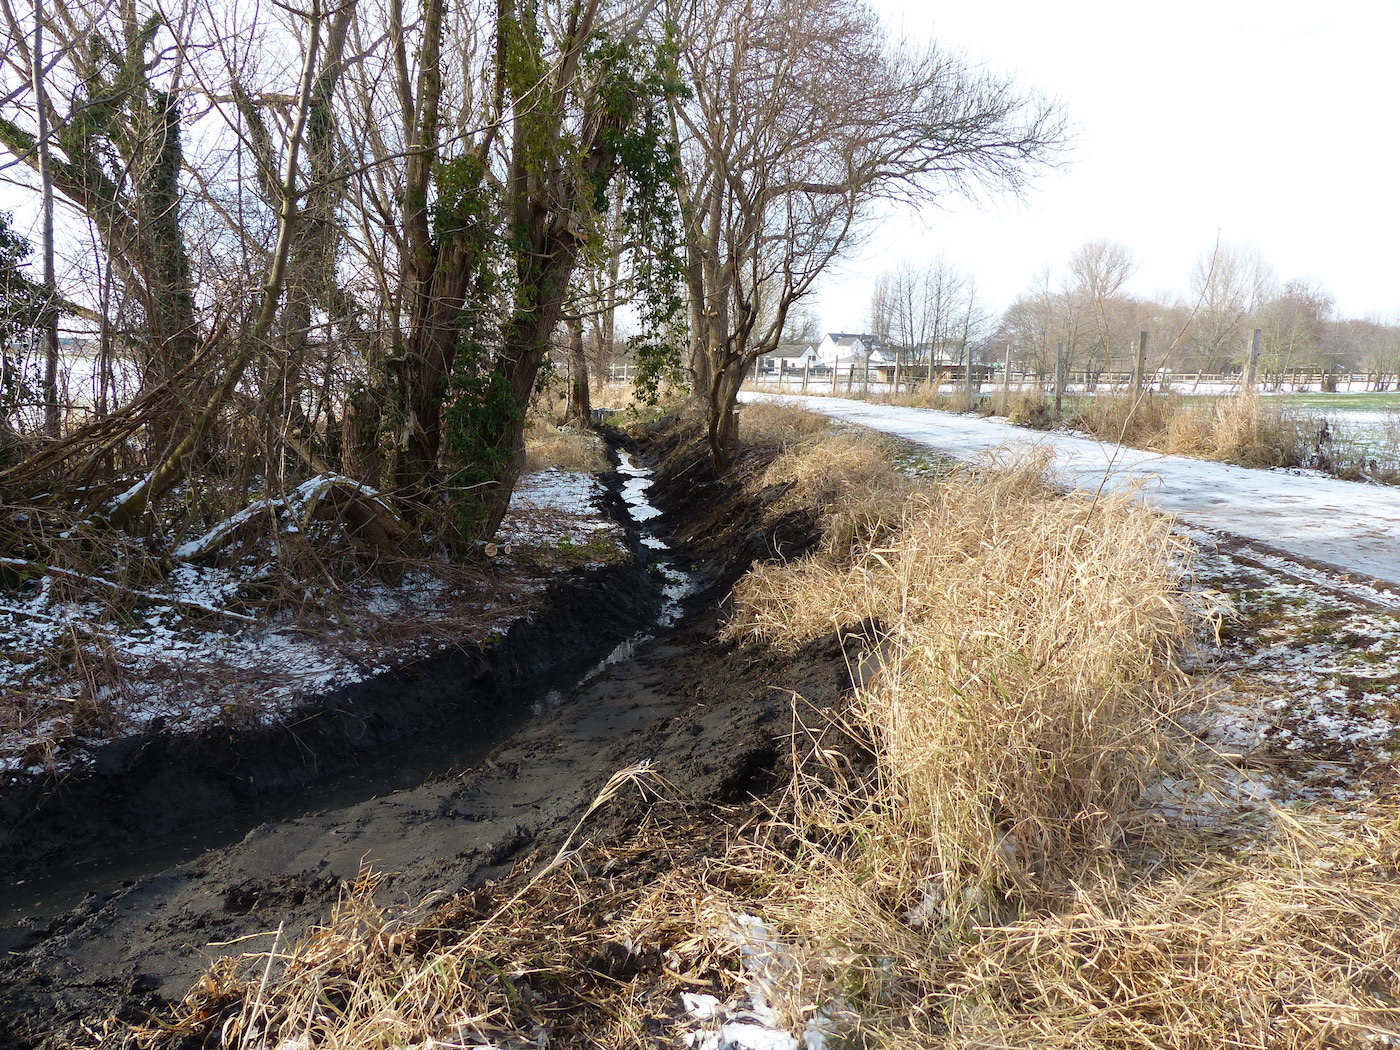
(560, 168)
(173, 465)
(116, 155)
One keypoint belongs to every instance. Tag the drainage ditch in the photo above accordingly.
(79, 870)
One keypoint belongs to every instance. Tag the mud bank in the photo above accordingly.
(705, 714)
(160, 783)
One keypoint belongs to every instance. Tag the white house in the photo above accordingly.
(843, 349)
(790, 357)
(796, 356)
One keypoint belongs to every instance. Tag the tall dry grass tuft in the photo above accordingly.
(1020, 678)
(1253, 432)
(1142, 419)
(770, 422)
(1292, 945)
(926, 395)
(1246, 429)
(970, 858)
(847, 481)
(564, 447)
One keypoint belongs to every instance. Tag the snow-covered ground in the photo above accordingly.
(1346, 526)
(79, 668)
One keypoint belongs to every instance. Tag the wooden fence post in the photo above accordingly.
(1006, 383)
(1251, 371)
(1059, 381)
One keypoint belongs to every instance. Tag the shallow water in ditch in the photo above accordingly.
(405, 765)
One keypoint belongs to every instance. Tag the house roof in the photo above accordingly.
(849, 338)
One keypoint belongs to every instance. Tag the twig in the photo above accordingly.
(49, 570)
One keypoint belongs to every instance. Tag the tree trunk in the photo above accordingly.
(50, 317)
(722, 411)
(580, 407)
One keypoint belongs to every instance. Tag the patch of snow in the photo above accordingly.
(750, 1020)
(198, 651)
(1304, 687)
(554, 507)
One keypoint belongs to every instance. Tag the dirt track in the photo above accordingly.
(705, 714)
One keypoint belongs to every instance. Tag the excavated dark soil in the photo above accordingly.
(710, 716)
(162, 783)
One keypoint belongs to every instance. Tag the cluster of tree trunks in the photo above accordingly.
(360, 262)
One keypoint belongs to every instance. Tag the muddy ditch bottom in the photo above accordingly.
(29, 901)
(155, 799)
(444, 816)
(705, 714)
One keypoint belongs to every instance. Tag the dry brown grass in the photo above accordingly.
(1294, 944)
(1140, 419)
(926, 395)
(846, 481)
(1030, 408)
(1248, 430)
(1024, 651)
(564, 447)
(776, 423)
(970, 859)
(1190, 940)
(822, 472)
(1253, 432)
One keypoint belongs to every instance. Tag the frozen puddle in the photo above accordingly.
(677, 585)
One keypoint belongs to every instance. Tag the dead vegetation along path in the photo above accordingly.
(1344, 526)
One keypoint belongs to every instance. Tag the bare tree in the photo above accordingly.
(1294, 325)
(1228, 285)
(1376, 345)
(1040, 319)
(114, 150)
(1098, 272)
(803, 114)
(929, 313)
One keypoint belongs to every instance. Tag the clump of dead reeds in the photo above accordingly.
(1246, 429)
(969, 858)
(1030, 408)
(1254, 432)
(771, 422)
(1295, 943)
(927, 395)
(1021, 675)
(1196, 939)
(828, 472)
(1141, 419)
(564, 447)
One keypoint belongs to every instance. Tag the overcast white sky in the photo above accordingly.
(1275, 124)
